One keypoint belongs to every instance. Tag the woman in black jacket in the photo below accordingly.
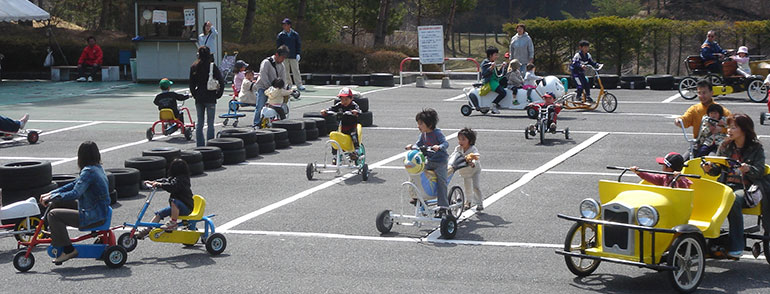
(205, 100)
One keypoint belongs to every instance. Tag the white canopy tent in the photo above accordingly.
(21, 10)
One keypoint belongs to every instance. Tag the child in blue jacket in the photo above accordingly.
(577, 67)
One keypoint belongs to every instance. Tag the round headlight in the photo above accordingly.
(589, 208)
(647, 216)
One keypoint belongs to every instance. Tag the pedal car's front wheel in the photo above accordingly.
(543, 129)
(581, 267)
(566, 133)
(757, 91)
(384, 222)
(448, 227)
(687, 88)
(216, 244)
(309, 170)
(127, 242)
(609, 102)
(115, 256)
(761, 118)
(687, 256)
(456, 201)
(22, 263)
(149, 134)
(33, 136)
(466, 110)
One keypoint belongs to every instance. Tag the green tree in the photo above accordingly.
(619, 8)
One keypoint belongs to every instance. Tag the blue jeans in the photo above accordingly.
(9, 125)
(261, 100)
(209, 110)
(440, 168)
(183, 209)
(735, 219)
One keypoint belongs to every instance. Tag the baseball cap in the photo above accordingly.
(507, 54)
(345, 92)
(672, 160)
(165, 83)
(549, 94)
(286, 21)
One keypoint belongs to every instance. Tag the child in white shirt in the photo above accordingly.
(530, 80)
(743, 61)
(467, 151)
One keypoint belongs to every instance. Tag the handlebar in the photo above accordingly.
(348, 112)
(674, 180)
(596, 69)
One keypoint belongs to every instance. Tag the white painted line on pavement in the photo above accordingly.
(672, 98)
(33, 158)
(458, 97)
(380, 90)
(69, 128)
(634, 114)
(93, 121)
(303, 194)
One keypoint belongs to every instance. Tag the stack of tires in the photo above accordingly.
(211, 156)
(280, 137)
(295, 130)
(341, 79)
(381, 79)
(232, 149)
(249, 138)
(194, 160)
(127, 181)
(365, 118)
(311, 129)
(266, 141)
(150, 167)
(169, 153)
(63, 179)
(320, 79)
(633, 82)
(320, 124)
(24, 179)
(661, 82)
(609, 81)
(330, 123)
(360, 79)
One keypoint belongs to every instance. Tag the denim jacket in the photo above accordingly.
(91, 191)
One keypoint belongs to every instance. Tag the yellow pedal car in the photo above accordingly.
(347, 157)
(655, 227)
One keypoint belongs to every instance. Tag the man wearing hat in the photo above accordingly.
(167, 99)
(672, 163)
(290, 38)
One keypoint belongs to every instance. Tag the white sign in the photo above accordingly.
(431, 44)
(189, 17)
(159, 16)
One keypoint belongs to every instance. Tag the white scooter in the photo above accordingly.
(483, 104)
(27, 216)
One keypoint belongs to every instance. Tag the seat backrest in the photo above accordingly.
(166, 114)
(105, 226)
(694, 62)
(710, 204)
(346, 143)
(199, 207)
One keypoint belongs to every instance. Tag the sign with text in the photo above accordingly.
(431, 44)
(159, 16)
(189, 17)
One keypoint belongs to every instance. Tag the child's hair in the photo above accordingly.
(716, 108)
(248, 71)
(704, 83)
(530, 66)
(468, 134)
(492, 50)
(583, 43)
(89, 38)
(178, 167)
(278, 83)
(428, 116)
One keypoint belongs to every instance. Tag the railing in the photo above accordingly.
(443, 71)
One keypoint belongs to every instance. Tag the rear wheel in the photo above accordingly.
(532, 112)
(32, 137)
(448, 227)
(757, 91)
(566, 133)
(687, 88)
(384, 222)
(484, 110)
(456, 199)
(686, 255)
(224, 123)
(609, 102)
(579, 242)
(149, 134)
(543, 128)
(761, 118)
(309, 170)
(115, 256)
(188, 133)
(365, 172)
(526, 133)
(766, 250)
(21, 225)
(216, 244)
(466, 110)
(715, 79)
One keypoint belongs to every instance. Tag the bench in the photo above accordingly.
(62, 72)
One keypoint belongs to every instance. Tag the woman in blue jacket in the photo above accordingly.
(92, 206)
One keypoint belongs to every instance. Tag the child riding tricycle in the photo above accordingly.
(546, 119)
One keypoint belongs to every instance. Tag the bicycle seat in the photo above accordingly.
(199, 204)
(166, 114)
(103, 227)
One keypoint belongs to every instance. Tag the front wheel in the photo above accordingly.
(609, 102)
(688, 88)
(526, 133)
(127, 242)
(761, 118)
(32, 137)
(188, 133)
(215, 244)
(579, 238)
(149, 134)
(224, 123)
(235, 124)
(456, 201)
(448, 227)
(309, 170)
(384, 222)
(757, 91)
(466, 110)
(686, 255)
(22, 263)
(115, 256)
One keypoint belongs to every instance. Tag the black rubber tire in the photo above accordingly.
(248, 136)
(330, 119)
(320, 124)
(63, 179)
(264, 136)
(363, 103)
(216, 244)
(313, 114)
(320, 79)
(25, 175)
(169, 153)
(383, 222)
(110, 180)
(311, 134)
(279, 134)
(448, 227)
(252, 150)
(151, 175)
(113, 196)
(282, 144)
(196, 168)
(115, 256)
(637, 85)
(125, 176)
(212, 164)
(610, 81)
(11, 196)
(341, 79)
(382, 80)
(289, 124)
(191, 156)
(209, 152)
(234, 156)
(265, 148)
(579, 270)
(297, 137)
(22, 263)
(366, 119)
(129, 190)
(127, 242)
(226, 143)
(660, 82)
(360, 79)
(634, 78)
(146, 163)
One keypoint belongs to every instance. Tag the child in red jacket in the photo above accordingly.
(673, 163)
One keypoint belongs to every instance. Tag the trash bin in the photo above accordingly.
(132, 63)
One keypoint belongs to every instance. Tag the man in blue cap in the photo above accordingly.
(290, 38)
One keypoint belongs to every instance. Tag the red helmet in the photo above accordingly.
(345, 92)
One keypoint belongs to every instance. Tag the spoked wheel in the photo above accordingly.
(309, 170)
(688, 88)
(115, 256)
(22, 263)
(715, 79)
(21, 225)
(448, 227)
(216, 244)
(365, 172)
(609, 102)
(32, 137)
(579, 238)
(456, 201)
(188, 133)
(149, 134)
(757, 91)
(466, 110)
(384, 222)
(687, 256)
(127, 242)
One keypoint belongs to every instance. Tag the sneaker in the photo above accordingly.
(90, 79)
(529, 99)
(23, 120)
(553, 127)
(589, 100)
(734, 254)
(65, 256)
(301, 88)
(169, 226)
(480, 207)
(81, 79)
(494, 108)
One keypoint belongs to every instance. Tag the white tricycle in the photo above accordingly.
(483, 104)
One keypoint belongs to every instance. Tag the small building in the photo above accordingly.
(167, 36)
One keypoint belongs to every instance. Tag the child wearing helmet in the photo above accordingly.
(349, 122)
(548, 99)
(432, 138)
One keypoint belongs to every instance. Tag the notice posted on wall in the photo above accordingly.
(159, 16)
(189, 17)
(431, 44)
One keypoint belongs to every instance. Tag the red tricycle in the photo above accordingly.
(170, 123)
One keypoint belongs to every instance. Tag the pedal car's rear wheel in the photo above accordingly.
(466, 110)
(448, 227)
(235, 124)
(127, 242)
(115, 256)
(21, 225)
(22, 263)
(761, 118)
(33, 136)
(216, 244)
(757, 91)
(687, 255)
(687, 88)
(484, 110)
(581, 267)
(309, 170)
(715, 79)
(456, 201)
(149, 134)
(384, 222)
(609, 102)
(365, 172)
